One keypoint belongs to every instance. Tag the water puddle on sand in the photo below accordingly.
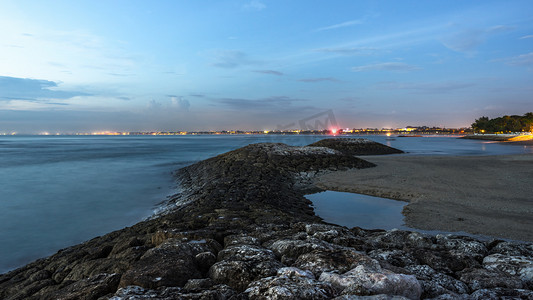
(357, 210)
(368, 212)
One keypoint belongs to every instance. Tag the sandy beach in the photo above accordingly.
(487, 195)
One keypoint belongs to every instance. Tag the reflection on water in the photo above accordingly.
(356, 210)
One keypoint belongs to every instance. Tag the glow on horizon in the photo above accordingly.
(184, 65)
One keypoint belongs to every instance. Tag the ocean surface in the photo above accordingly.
(58, 191)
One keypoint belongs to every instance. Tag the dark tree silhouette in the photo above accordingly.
(505, 124)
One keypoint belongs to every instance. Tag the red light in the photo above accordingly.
(334, 131)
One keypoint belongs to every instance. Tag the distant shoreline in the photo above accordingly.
(500, 137)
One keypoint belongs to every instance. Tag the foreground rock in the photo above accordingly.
(241, 229)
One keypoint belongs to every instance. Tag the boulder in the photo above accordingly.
(290, 283)
(338, 260)
(364, 280)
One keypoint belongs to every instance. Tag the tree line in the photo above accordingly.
(505, 124)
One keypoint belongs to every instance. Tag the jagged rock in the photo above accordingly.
(391, 239)
(90, 288)
(499, 293)
(170, 264)
(435, 283)
(238, 265)
(212, 292)
(373, 297)
(290, 283)
(339, 260)
(463, 246)
(443, 261)
(451, 297)
(292, 271)
(513, 265)
(240, 240)
(479, 279)
(394, 257)
(365, 280)
(512, 249)
(289, 250)
(195, 285)
(420, 240)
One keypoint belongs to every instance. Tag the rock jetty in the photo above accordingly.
(356, 146)
(240, 228)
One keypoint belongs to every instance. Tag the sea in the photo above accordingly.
(57, 191)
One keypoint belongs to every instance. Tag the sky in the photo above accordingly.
(84, 66)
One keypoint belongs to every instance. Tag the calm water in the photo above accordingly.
(351, 210)
(61, 190)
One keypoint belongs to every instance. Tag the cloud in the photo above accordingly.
(341, 25)
(520, 60)
(434, 87)
(388, 66)
(500, 28)
(154, 105)
(467, 40)
(254, 5)
(349, 51)
(241, 103)
(527, 37)
(275, 105)
(13, 88)
(175, 104)
(229, 59)
(180, 103)
(271, 72)
(321, 79)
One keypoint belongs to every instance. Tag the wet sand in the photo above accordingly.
(487, 195)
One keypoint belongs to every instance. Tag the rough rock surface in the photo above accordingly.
(356, 146)
(241, 229)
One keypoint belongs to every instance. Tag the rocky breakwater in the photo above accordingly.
(241, 229)
(352, 146)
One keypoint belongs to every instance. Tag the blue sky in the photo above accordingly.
(201, 65)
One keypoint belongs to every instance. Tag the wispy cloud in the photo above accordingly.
(229, 59)
(349, 50)
(343, 24)
(520, 60)
(467, 40)
(500, 28)
(13, 88)
(257, 103)
(425, 87)
(388, 66)
(273, 105)
(319, 79)
(271, 72)
(254, 5)
(527, 37)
